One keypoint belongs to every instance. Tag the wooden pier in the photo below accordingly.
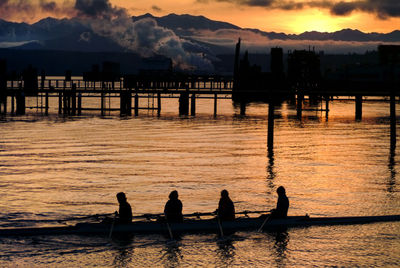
(70, 93)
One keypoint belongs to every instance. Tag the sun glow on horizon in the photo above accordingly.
(314, 21)
(255, 17)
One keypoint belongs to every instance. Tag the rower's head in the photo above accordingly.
(224, 194)
(121, 197)
(173, 194)
(281, 191)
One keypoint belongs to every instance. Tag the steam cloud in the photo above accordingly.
(257, 43)
(382, 8)
(143, 36)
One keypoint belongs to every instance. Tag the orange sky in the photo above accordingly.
(243, 15)
(295, 21)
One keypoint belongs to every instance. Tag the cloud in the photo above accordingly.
(144, 36)
(258, 43)
(104, 19)
(382, 8)
(31, 9)
(156, 8)
(97, 9)
(343, 8)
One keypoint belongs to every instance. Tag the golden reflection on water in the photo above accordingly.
(54, 168)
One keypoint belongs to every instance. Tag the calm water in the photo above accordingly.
(54, 168)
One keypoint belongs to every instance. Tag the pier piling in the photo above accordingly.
(300, 98)
(60, 97)
(242, 108)
(20, 100)
(129, 102)
(12, 104)
(184, 103)
(358, 107)
(46, 111)
(136, 104)
(392, 122)
(158, 104)
(126, 102)
(102, 102)
(215, 104)
(79, 104)
(193, 105)
(122, 104)
(73, 99)
(65, 102)
(326, 106)
(271, 118)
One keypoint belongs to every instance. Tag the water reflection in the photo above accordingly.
(392, 171)
(280, 246)
(124, 246)
(172, 255)
(226, 253)
(270, 170)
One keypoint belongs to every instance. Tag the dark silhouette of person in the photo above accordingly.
(125, 210)
(173, 208)
(226, 209)
(282, 205)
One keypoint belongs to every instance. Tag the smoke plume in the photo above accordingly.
(143, 36)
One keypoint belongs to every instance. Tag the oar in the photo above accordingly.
(220, 227)
(96, 216)
(172, 240)
(265, 221)
(112, 226)
(198, 214)
(222, 239)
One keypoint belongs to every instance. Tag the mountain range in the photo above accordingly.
(72, 34)
(188, 40)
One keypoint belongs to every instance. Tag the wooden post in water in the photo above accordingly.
(242, 108)
(73, 96)
(122, 103)
(215, 104)
(184, 103)
(136, 104)
(300, 98)
(20, 101)
(271, 118)
(158, 104)
(65, 102)
(392, 121)
(193, 105)
(126, 102)
(358, 107)
(60, 97)
(326, 106)
(12, 103)
(129, 102)
(102, 102)
(46, 111)
(79, 104)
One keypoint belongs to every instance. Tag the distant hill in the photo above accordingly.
(193, 39)
(56, 62)
(183, 25)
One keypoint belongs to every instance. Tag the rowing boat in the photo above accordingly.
(196, 226)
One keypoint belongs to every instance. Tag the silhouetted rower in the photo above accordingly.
(173, 208)
(125, 210)
(282, 205)
(226, 209)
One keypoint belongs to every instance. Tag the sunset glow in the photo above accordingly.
(277, 16)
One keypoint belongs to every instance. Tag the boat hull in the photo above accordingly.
(196, 226)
